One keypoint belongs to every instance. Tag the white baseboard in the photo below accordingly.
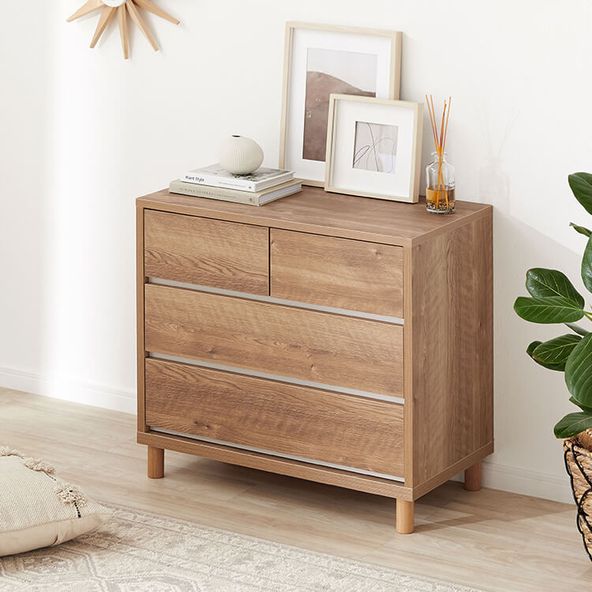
(527, 482)
(495, 475)
(67, 389)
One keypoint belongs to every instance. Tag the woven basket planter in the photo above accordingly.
(578, 462)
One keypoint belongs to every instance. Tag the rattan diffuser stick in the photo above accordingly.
(439, 136)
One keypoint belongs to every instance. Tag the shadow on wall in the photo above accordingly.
(529, 399)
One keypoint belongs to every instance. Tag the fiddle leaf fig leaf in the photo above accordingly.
(573, 424)
(530, 349)
(581, 229)
(587, 266)
(555, 352)
(578, 372)
(582, 407)
(548, 310)
(581, 185)
(545, 283)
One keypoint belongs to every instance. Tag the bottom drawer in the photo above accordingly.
(286, 419)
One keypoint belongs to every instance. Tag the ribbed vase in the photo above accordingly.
(240, 155)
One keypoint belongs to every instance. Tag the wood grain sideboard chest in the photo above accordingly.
(332, 338)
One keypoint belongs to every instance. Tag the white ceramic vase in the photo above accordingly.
(240, 155)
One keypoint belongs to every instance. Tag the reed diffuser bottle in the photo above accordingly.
(439, 173)
(440, 185)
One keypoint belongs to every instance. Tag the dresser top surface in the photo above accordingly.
(316, 211)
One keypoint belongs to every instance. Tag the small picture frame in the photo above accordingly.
(320, 60)
(374, 148)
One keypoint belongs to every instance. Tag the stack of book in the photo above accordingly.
(257, 189)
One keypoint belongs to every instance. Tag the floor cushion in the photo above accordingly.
(37, 508)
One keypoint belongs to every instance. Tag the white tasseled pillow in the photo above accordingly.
(37, 509)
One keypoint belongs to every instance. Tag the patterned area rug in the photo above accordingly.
(140, 552)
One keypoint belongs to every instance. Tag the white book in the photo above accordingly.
(215, 176)
(245, 197)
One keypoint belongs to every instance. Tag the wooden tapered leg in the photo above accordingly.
(473, 478)
(155, 463)
(405, 514)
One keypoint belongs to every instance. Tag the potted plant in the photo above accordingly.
(554, 299)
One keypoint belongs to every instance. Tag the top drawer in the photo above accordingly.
(213, 253)
(337, 272)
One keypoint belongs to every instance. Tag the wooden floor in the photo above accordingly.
(492, 540)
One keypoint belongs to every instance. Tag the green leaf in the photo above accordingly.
(555, 351)
(544, 283)
(578, 372)
(587, 266)
(581, 185)
(581, 229)
(548, 310)
(582, 407)
(577, 329)
(573, 424)
(530, 349)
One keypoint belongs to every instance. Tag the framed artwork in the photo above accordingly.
(374, 147)
(321, 60)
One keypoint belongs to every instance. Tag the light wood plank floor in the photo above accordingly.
(492, 540)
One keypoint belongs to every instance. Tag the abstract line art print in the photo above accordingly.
(375, 147)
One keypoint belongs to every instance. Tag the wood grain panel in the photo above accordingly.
(140, 351)
(208, 252)
(304, 344)
(318, 212)
(278, 417)
(452, 349)
(337, 272)
(275, 464)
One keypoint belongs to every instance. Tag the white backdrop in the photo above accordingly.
(82, 133)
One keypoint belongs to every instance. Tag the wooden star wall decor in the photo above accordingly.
(123, 9)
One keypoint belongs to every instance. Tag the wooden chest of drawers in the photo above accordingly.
(332, 338)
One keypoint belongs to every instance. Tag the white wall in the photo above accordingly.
(82, 133)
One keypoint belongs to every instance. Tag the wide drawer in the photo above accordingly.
(275, 417)
(337, 272)
(279, 340)
(214, 253)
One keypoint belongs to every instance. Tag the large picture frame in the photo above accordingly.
(320, 60)
(374, 148)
